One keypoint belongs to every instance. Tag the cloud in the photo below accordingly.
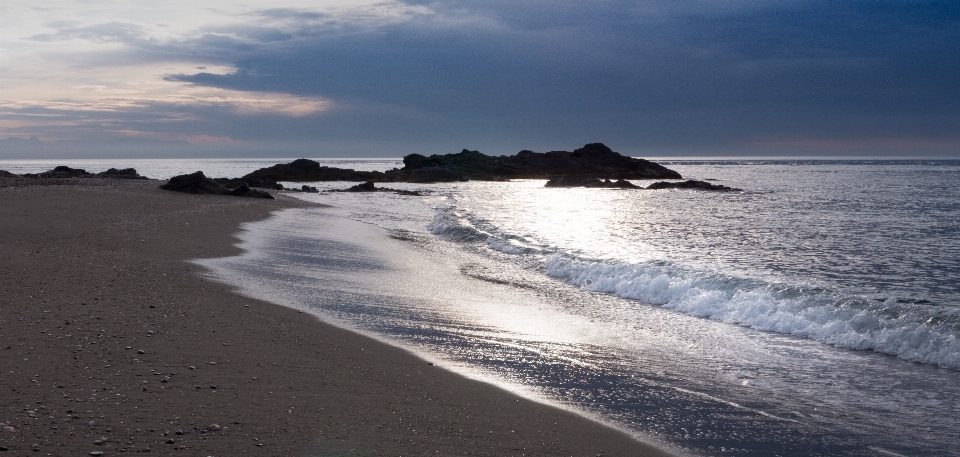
(112, 32)
(652, 76)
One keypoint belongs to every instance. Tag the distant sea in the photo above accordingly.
(815, 312)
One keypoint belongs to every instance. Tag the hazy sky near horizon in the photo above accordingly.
(386, 78)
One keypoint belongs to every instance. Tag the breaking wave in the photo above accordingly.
(915, 332)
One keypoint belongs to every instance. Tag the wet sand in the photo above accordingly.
(110, 342)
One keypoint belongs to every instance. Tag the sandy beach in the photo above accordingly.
(110, 342)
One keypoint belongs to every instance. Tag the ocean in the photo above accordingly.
(815, 312)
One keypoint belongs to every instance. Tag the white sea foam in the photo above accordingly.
(452, 225)
(920, 334)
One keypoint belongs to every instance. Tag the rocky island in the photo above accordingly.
(594, 161)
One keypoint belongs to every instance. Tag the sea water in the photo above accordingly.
(815, 312)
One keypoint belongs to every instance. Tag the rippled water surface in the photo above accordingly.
(786, 319)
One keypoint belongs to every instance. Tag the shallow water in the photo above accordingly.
(701, 385)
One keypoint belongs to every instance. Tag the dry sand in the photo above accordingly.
(110, 342)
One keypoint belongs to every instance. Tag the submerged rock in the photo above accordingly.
(691, 184)
(589, 181)
(370, 187)
(197, 183)
(365, 187)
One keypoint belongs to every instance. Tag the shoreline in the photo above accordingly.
(101, 266)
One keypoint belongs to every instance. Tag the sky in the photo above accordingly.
(385, 78)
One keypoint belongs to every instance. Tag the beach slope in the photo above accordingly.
(110, 342)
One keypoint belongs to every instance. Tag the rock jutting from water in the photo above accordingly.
(590, 181)
(691, 184)
(252, 182)
(594, 160)
(369, 186)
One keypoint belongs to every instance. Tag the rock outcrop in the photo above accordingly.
(197, 183)
(691, 184)
(594, 160)
(306, 170)
(126, 173)
(63, 172)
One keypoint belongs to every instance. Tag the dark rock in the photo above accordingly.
(370, 187)
(303, 188)
(7, 174)
(593, 160)
(243, 190)
(126, 173)
(262, 183)
(252, 182)
(461, 166)
(197, 183)
(61, 171)
(431, 174)
(589, 181)
(691, 184)
(365, 187)
(67, 172)
(622, 184)
(301, 170)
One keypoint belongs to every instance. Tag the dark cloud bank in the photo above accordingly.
(672, 78)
